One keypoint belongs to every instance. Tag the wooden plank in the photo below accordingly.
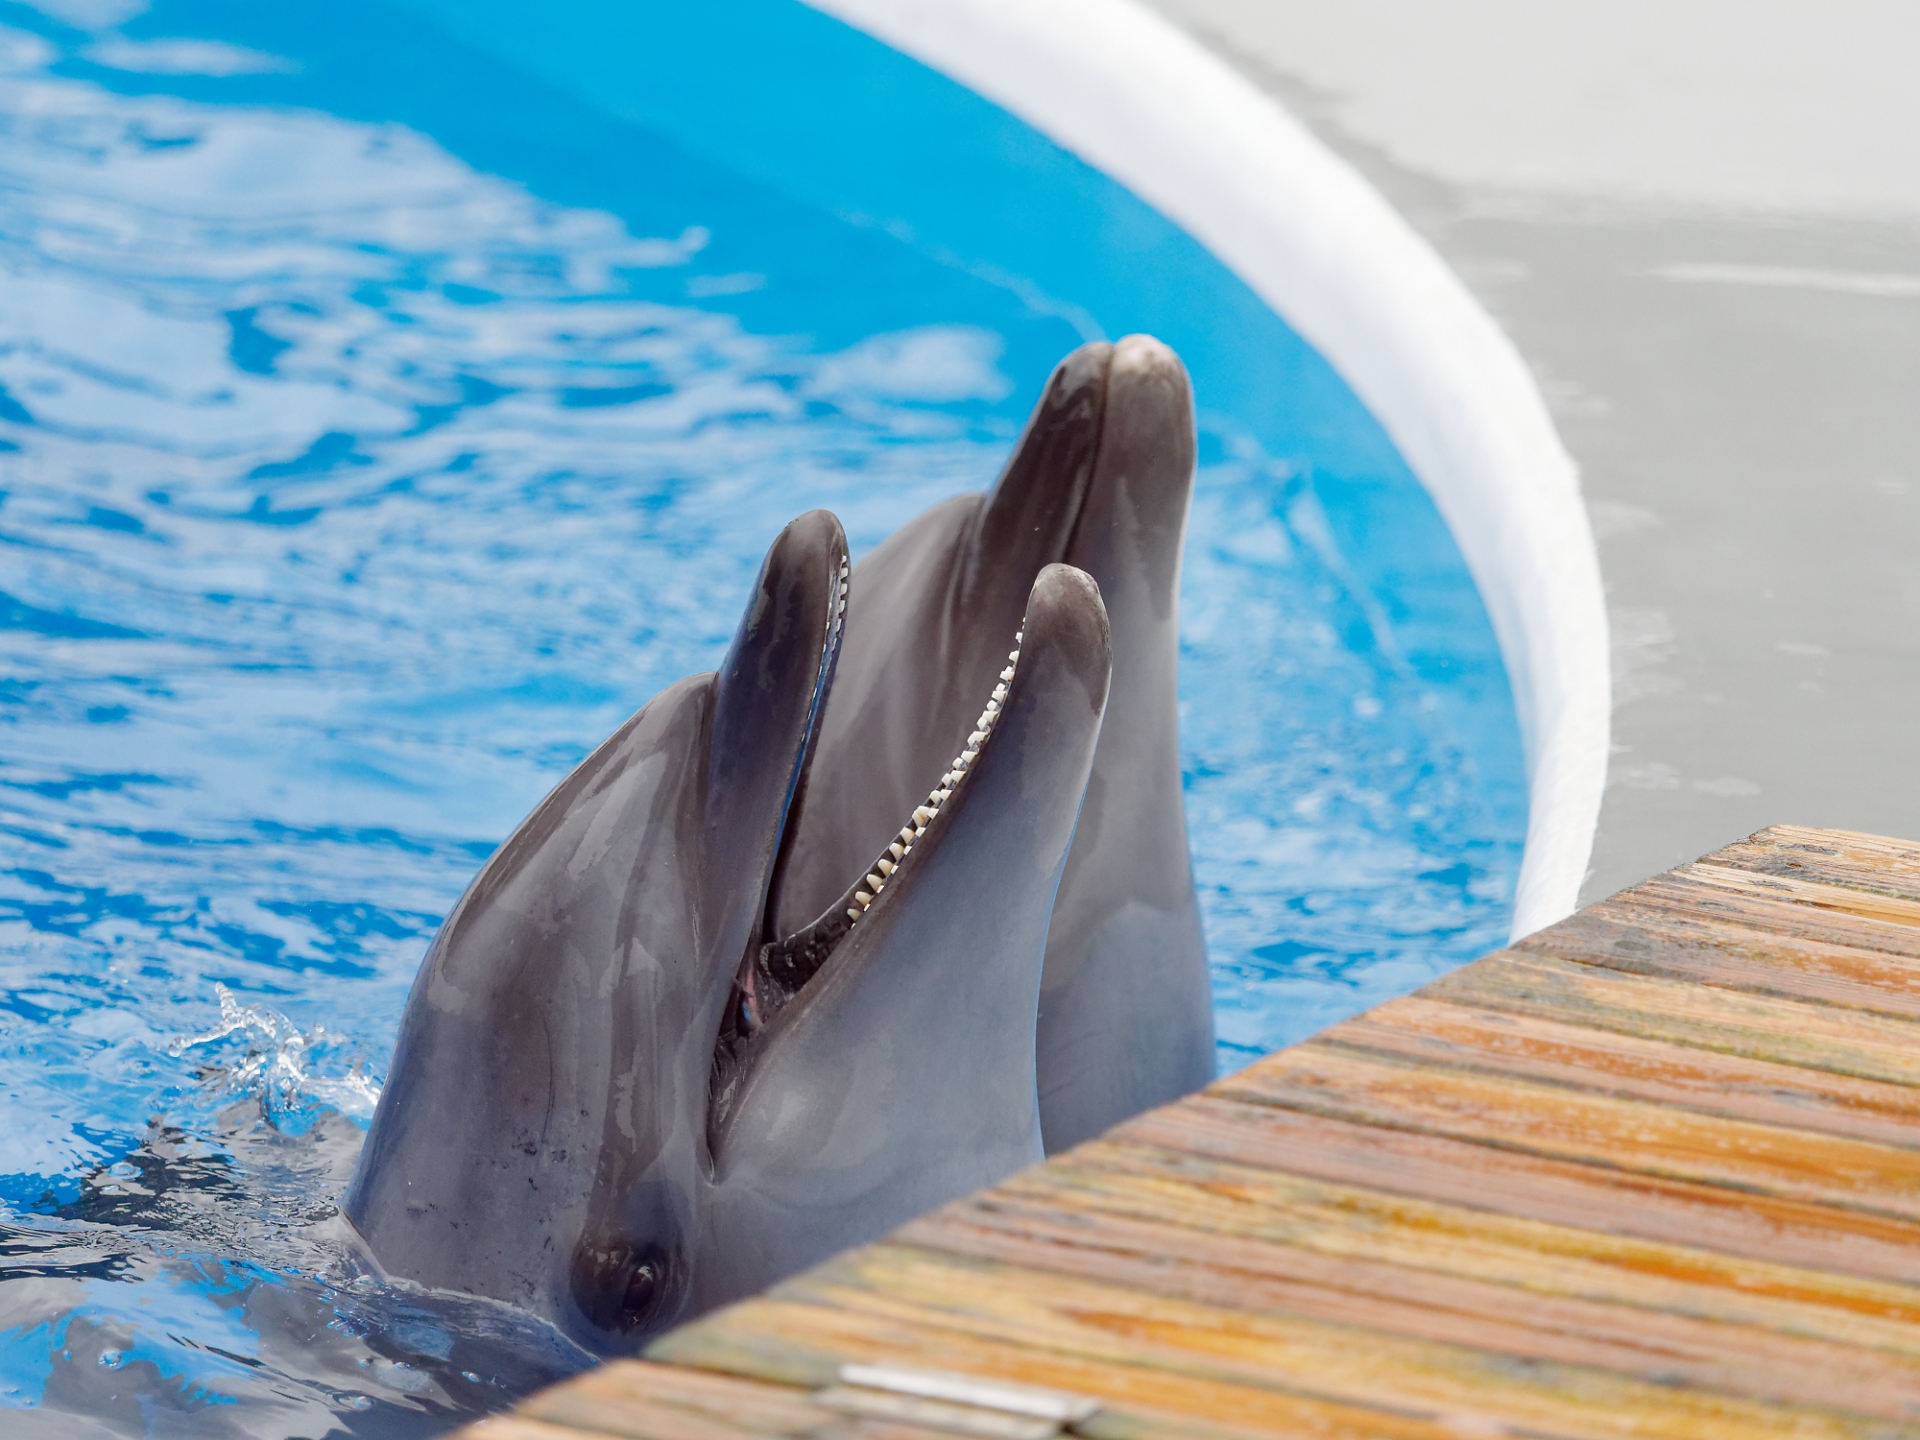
(802, 1344)
(564, 1418)
(1761, 1027)
(1835, 900)
(1604, 1200)
(1712, 951)
(518, 1427)
(1878, 864)
(1654, 1172)
(1444, 1383)
(1686, 899)
(1187, 1193)
(1236, 1272)
(1593, 1129)
(633, 1397)
(642, 1400)
(1438, 1032)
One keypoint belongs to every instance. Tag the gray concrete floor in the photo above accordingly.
(1700, 222)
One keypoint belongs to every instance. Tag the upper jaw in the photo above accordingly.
(1109, 444)
(1028, 518)
(770, 695)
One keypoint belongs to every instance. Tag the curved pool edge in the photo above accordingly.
(1140, 100)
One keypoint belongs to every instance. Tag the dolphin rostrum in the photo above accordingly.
(626, 1089)
(1101, 480)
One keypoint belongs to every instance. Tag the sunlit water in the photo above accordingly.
(350, 496)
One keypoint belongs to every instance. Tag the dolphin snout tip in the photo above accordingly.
(1141, 350)
(1141, 361)
(815, 532)
(1066, 615)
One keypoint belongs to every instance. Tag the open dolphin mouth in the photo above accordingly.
(960, 586)
(773, 975)
(1100, 480)
(777, 968)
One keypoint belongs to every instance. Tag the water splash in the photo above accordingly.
(276, 1064)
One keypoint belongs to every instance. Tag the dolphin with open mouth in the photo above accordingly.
(624, 1092)
(1102, 479)
(811, 945)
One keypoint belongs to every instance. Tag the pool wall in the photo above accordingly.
(1138, 99)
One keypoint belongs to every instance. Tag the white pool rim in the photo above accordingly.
(1140, 100)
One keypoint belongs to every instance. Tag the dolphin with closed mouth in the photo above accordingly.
(1102, 479)
(626, 1089)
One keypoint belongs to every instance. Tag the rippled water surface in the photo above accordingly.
(349, 493)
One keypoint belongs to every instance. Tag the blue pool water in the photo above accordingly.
(392, 399)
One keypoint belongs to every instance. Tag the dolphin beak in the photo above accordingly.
(769, 698)
(1030, 514)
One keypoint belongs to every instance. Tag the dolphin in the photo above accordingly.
(625, 1091)
(1102, 480)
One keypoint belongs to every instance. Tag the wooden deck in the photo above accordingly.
(1654, 1171)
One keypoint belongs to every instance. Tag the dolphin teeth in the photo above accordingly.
(923, 814)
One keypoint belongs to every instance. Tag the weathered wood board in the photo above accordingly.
(1654, 1171)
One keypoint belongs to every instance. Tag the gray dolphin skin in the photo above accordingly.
(1102, 480)
(626, 1089)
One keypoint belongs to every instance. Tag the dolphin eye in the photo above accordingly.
(618, 1285)
(642, 1287)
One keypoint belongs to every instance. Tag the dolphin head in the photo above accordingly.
(626, 1090)
(534, 1140)
(1101, 479)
